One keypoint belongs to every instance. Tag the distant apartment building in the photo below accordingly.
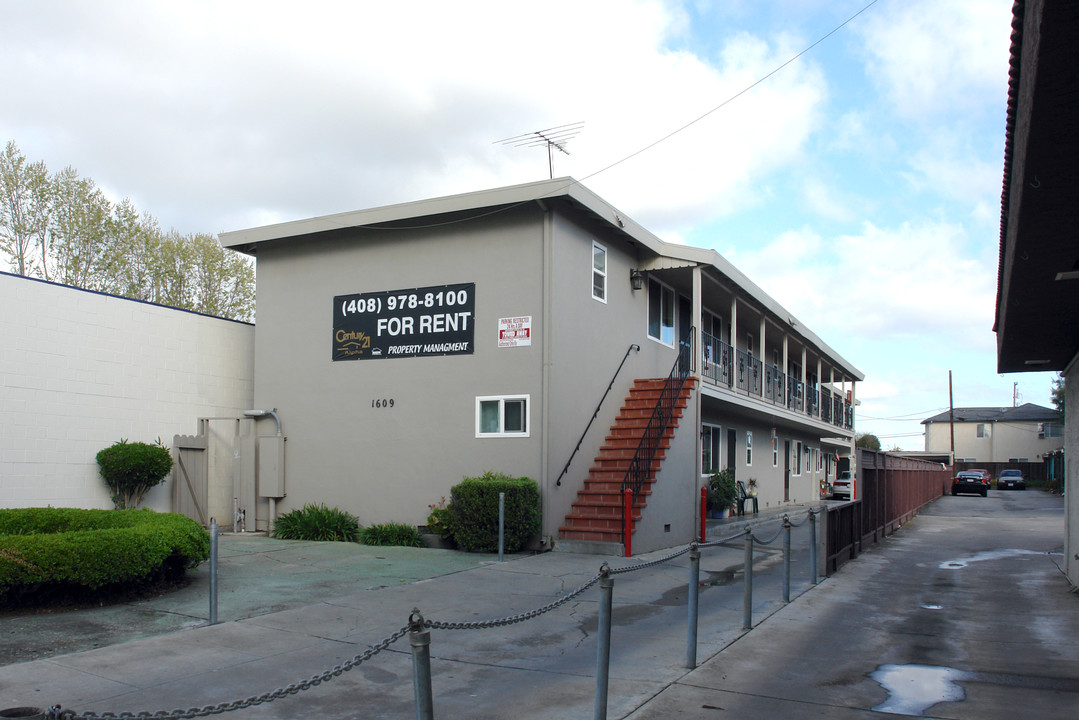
(996, 435)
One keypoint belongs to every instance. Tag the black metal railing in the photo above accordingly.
(773, 384)
(641, 464)
(749, 373)
(739, 371)
(596, 411)
(717, 360)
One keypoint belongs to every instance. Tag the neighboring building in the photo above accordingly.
(1037, 322)
(81, 370)
(996, 435)
(405, 347)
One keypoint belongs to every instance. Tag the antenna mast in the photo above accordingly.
(555, 137)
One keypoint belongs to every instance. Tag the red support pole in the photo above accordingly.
(627, 519)
(704, 514)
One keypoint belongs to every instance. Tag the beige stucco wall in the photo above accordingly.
(81, 370)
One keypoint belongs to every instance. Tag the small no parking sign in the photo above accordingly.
(515, 331)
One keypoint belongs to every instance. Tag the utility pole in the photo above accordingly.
(951, 415)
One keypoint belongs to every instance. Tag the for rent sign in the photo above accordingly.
(437, 320)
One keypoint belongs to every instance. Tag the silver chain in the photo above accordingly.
(55, 712)
(513, 619)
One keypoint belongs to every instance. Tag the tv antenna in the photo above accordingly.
(555, 137)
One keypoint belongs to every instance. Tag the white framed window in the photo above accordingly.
(502, 416)
(775, 452)
(660, 312)
(711, 445)
(599, 272)
(749, 344)
(749, 448)
(982, 430)
(798, 459)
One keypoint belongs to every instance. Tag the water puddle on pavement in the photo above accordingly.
(932, 606)
(913, 689)
(988, 555)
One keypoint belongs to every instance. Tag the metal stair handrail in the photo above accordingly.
(657, 424)
(631, 348)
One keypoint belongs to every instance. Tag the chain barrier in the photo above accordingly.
(807, 518)
(770, 540)
(416, 622)
(513, 619)
(56, 713)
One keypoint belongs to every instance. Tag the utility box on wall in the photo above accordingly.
(271, 467)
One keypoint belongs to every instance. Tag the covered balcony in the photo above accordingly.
(739, 371)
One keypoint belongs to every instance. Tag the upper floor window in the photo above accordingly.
(660, 312)
(1053, 430)
(982, 430)
(599, 272)
(502, 416)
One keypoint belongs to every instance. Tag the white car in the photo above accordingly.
(841, 488)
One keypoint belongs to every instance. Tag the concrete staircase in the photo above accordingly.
(596, 515)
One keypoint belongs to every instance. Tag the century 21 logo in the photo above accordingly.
(352, 343)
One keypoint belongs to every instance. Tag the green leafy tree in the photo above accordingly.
(62, 228)
(869, 441)
(25, 205)
(1057, 393)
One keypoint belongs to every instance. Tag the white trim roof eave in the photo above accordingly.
(564, 187)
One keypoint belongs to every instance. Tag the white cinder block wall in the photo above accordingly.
(80, 370)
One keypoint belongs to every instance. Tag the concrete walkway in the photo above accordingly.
(289, 613)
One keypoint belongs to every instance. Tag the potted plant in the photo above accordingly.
(752, 484)
(722, 492)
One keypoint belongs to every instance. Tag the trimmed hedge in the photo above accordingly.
(64, 552)
(474, 511)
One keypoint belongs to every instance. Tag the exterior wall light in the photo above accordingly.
(636, 279)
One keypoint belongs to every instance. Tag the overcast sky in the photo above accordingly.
(859, 184)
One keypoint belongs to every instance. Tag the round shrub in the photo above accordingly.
(474, 512)
(51, 554)
(131, 469)
(317, 522)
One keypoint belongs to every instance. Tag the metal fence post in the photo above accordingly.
(501, 523)
(213, 571)
(420, 640)
(747, 601)
(813, 547)
(694, 592)
(603, 649)
(786, 559)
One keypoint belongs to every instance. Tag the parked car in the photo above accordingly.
(971, 481)
(1011, 480)
(842, 486)
(983, 473)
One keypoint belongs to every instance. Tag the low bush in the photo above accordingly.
(317, 522)
(131, 469)
(439, 520)
(474, 512)
(391, 534)
(52, 555)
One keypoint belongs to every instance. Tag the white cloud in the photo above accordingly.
(934, 58)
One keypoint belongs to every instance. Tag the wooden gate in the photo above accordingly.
(190, 485)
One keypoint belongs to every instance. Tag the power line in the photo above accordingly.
(737, 95)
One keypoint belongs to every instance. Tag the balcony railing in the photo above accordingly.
(740, 372)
